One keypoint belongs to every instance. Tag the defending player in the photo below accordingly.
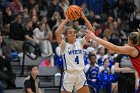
(133, 48)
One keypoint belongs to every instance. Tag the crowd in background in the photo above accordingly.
(35, 21)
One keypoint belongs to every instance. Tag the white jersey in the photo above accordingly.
(73, 55)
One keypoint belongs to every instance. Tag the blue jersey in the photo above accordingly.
(91, 74)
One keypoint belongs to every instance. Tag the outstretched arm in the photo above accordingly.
(119, 49)
(59, 31)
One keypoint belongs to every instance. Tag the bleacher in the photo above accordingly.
(49, 83)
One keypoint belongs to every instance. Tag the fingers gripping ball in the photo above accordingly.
(73, 12)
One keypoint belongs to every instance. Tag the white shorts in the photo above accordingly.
(73, 79)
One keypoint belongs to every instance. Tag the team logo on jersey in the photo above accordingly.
(70, 52)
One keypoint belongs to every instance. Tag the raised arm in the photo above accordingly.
(59, 31)
(119, 49)
(89, 26)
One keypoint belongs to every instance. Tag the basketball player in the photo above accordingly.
(72, 52)
(132, 49)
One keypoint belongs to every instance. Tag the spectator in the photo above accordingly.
(34, 21)
(16, 6)
(108, 23)
(33, 12)
(6, 73)
(32, 83)
(91, 17)
(120, 7)
(7, 16)
(108, 32)
(127, 79)
(16, 34)
(75, 26)
(25, 15)
(55, 20)
(118, 35)
(6, 30)
(43, 40)
(44, 20)
(5, 55)
(91, 71)
(31, 4)
(100, 55)
(105, 70)
(110, 55)
(64, 4)
(53, 7)
(29, 37)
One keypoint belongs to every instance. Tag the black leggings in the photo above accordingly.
(126, 83)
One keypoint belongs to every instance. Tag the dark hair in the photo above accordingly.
(105, 59)
(40, 24)
(91, 54)
(16, 14)
(28, 20)
(135, 38)
(31, 67)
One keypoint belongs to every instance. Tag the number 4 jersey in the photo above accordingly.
(73, 55)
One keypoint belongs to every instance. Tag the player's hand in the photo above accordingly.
(127, 70)
(82, 14)
(90, 34)
(67, 18)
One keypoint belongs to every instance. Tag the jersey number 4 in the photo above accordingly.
(77, 59)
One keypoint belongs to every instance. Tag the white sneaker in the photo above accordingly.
(32, 55)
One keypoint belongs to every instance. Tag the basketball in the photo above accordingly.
(73, 12)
